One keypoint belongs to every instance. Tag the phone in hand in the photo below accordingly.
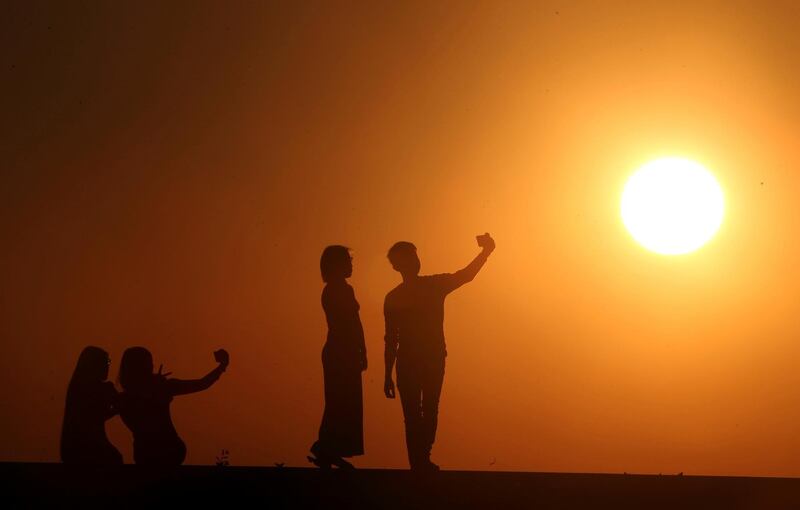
(221, 356)
(485, 240)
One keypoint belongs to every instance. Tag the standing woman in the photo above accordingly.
(144, 405)
(91, 400)
(344, 357)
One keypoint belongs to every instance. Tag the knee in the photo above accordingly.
(412, 419)
(430, 408)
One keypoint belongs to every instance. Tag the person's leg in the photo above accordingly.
(410, 388)
(180, 452)
(333, 374)
(344, 413)
(431, 392)
(352, 424)
(333, 433)
(164, 452)
(331, 391)
(110, 456)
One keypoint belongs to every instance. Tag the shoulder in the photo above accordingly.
(392, 294)
(108, 388)
(441, 276)
(328, 294)
(337, 292)
(392, 298)
(436, 279)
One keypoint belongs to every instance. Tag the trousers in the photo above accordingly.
(419, 382)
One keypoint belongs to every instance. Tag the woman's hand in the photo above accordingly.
(388, 387)
(161, 373)
(222, 357)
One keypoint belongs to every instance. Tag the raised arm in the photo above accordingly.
(186, 386)
(390, 339)
(467, 274)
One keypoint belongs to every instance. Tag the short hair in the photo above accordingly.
(333, 262)
(398, 249)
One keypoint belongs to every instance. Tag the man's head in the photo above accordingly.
(403, 257)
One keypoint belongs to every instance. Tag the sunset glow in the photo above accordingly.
(672, 206)
(172, 172)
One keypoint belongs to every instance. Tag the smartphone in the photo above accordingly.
(221, 356)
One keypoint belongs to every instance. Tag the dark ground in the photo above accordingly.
(55, 485)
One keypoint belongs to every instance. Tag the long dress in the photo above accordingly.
(342, 430)
(83, 434)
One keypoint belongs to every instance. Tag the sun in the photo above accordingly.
(672, 206)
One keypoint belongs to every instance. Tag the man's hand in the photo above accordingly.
(388, 387)
(486, 242)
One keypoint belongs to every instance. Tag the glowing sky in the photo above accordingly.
(170, 174)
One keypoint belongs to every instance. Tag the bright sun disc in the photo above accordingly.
(672, 206)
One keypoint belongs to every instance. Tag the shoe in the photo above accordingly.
(341, 463)
(425, 466)
(320, 463)
(323, 460)
(430, 466)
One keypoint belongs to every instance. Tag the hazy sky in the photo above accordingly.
(169, 175)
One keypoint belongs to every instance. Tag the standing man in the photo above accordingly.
(414, 313)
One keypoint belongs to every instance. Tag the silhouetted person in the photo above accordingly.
(344, 357)
(414, 313)
(144, 405)
(91, 400)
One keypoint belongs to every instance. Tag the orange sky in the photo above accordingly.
(171, 174)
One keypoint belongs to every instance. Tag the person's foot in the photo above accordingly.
(316, 450)
(322, 459)
(430, 466)
(341, 463)
(425, 466)
(319, 462)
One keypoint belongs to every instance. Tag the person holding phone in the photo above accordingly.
(144, 405)
(414, 315)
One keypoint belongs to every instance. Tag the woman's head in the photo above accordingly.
(335, 263)
(135, 369)
(92, 366)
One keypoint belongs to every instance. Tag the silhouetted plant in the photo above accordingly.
(223, 459)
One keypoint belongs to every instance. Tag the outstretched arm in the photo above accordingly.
(186, 386)
(467, 274)
(390, 349)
